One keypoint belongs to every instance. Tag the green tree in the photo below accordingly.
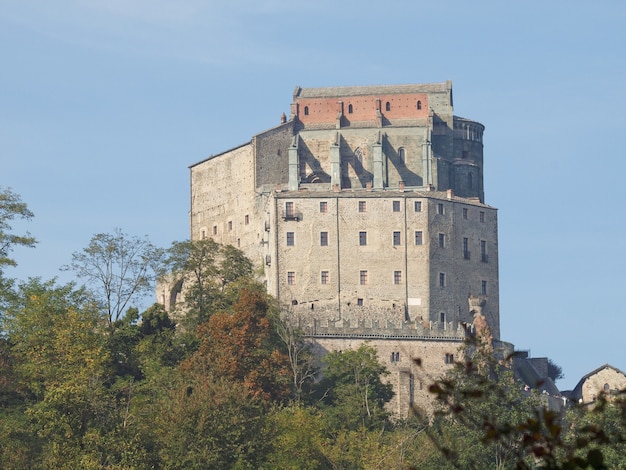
(352, 390)
(11, 208)
(207, 272)
(119, 268)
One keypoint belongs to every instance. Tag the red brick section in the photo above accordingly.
(326, 110)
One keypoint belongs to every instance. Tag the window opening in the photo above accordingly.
(291, 239)
(324, 238)
(418, 237)
(396, 239)
(396, 206)
(362, 238)
(363, 277)
(362, 206)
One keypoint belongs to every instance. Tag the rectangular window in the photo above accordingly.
(440, 210)
(466, 253)
(397, 277)
(230, 225)
(323, 206)
(247, 219)
(465, 212)
(203, 234)
(442, 317)
(483, 287)
(482, 216)
(291, 278)
(215, 230)
(483, 251)
(396, 206)
(363, 277)
(323, 238)
(396, 238)
(362, 238)
(289, 209)
(359, 302)
(419, 239)
(418, 206)
(325, 277)
(291, 239)
(442, 279)
(442, 240)
(362, 206)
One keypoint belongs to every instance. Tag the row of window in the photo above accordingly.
(395, 357)
(395, 205)
(418, 106)
(364, 279)
(397, 241)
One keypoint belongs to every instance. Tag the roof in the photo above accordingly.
(331, 92)
(594, 372)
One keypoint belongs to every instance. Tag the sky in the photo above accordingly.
(104, 104)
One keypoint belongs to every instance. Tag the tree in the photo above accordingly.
(242, 346)
(120, 268)
(12, 207)
(302, 361)
(353, 391)
(207, 272)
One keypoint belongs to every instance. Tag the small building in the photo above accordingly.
(605, 380)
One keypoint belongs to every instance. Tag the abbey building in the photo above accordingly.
(365, 209)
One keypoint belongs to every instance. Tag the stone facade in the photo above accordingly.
(365, 210)
(606, 380)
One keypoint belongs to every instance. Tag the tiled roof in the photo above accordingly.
(330, 92)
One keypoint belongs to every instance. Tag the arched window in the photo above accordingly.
(306, 110)
(387, 106)
(358, 156)
(349, 109)
(419, 104)
(401, 154)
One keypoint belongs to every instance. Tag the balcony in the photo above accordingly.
(288, 215)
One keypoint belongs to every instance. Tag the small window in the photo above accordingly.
(396, 239)
(465, 213)
(289, 209)
(323, 238)
(442, 279)
(362, 206)
(291, 278)
(215, 230)
(362, 238)
(483, 287)
(387, 106)
(291, 239)
(397, 277)
(230, 225)
(465, 154)
(363, 277)
(466, 252)
(350, 109)
(419, 104)
(440, 209)
(323, 206)
(325, 279)
(247, 219)
(239, 243)
(482, 216)
(449, 358)
(306, 110)
(396, 206)
(470, 181)
(483, 251)
(442, 240)
(203, 234)
(442, 317)
(395, 356)
(359, 302)
(418, 237)
(418, 206)
(401, 155)
(358, 156)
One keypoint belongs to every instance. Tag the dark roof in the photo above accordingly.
(338, 91)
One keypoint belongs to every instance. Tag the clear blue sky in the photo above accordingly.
(105, 103)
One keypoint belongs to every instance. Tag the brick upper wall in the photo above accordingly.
(317, 110)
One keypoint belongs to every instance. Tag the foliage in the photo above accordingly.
(11, 208)
(208, 273)
(555, 372)
(353, 391)
(242, 346)
(119, 267)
